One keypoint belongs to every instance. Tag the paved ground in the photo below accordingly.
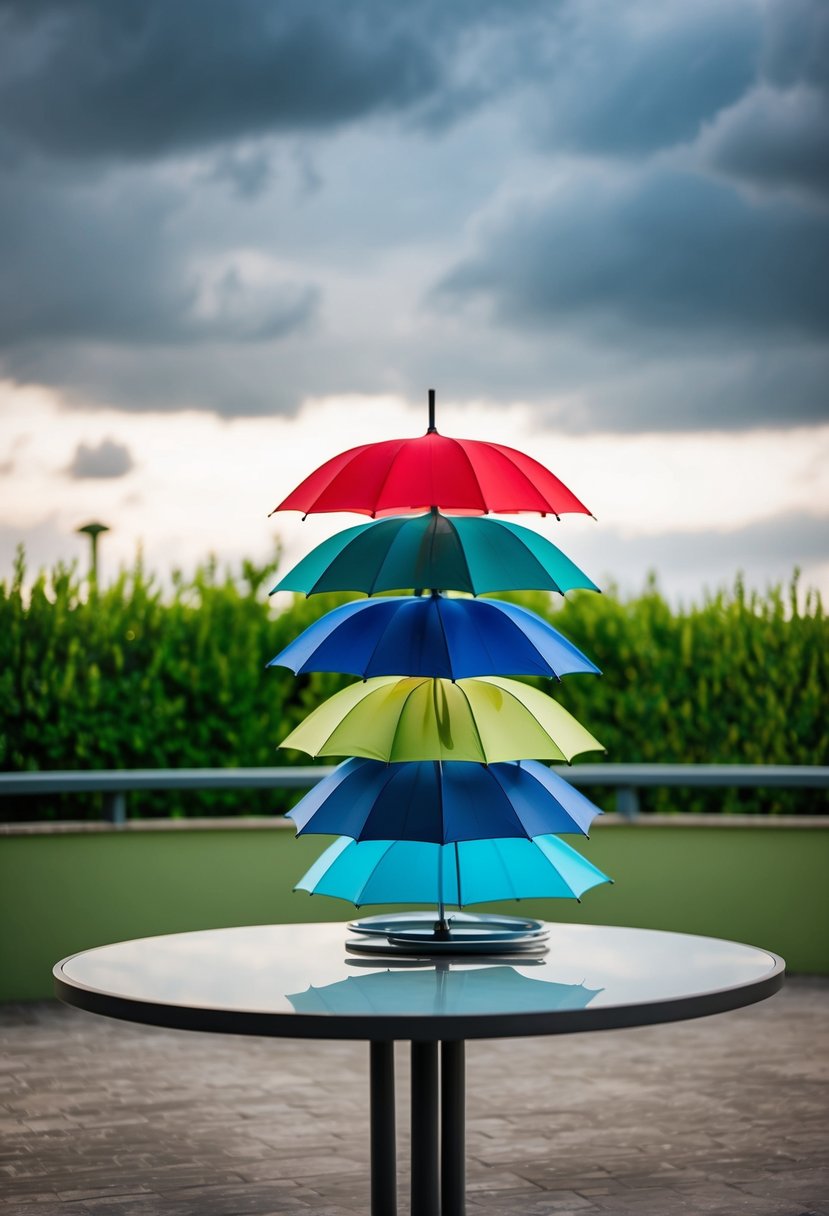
(725, 1115)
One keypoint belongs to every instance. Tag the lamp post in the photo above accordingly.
(93, 531)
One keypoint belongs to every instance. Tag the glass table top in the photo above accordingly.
(286, 971)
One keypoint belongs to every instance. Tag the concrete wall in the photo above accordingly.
(64, 888)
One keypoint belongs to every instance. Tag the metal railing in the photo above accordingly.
(626, 779)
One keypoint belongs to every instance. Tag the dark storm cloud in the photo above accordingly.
(632, 79)
(670, 252)
(115, 78)
(101, 461)
(774, 138)
(248, 172)
(95, 258)
(623, 81)
(110, 78)
(795, 43)
(147, 207)
(721, 391)
(777, 132)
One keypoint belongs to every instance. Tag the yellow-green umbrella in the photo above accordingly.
(483, 720)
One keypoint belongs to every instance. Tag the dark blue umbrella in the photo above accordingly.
(433, 636)
(440, 803)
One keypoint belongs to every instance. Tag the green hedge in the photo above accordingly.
(135, 676)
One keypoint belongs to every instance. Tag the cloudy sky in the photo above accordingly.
(241, 236)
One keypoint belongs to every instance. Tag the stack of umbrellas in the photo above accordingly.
(444, 799)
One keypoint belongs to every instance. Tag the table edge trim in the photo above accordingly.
(386, 1027)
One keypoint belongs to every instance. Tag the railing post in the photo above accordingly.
(115, 806)
(627, 801)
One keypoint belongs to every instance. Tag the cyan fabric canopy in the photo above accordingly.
(467, 872)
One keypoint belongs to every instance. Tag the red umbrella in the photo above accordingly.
(461, 476)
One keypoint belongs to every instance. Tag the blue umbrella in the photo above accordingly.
(442, 990)
(431, 635)
(440, 803)
(467, 872)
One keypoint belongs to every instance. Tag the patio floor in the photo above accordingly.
(722, 1115)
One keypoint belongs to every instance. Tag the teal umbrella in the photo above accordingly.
(459, 553)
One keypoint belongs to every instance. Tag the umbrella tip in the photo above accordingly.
(432, 428)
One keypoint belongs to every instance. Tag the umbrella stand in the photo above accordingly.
(417, 935)
(443, 931)
(442, 927)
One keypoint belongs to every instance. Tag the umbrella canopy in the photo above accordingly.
(440, 803)
(484, 720)
(465, 476)
(433, 636)
(441, 989)
(435, 551)
(467, 872)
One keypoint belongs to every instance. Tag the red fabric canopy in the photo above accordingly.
(461, 476)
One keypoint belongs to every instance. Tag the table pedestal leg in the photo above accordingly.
(383, 1144)
(452, 1129)
(438, 1130)
(425, 1186)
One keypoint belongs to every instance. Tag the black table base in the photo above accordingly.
(438, 1130)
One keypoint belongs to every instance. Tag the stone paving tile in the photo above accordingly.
(724, 1116)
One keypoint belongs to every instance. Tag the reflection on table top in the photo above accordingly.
(279, 979)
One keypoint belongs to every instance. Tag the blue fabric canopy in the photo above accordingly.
(432, 635)
(439, 803)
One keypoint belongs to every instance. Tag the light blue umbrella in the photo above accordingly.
(431, 635)
(442, 990)
(442, 802)
(466, 872)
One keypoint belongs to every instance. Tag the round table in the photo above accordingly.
(298, 981)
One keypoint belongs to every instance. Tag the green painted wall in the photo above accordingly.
(61, 893)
